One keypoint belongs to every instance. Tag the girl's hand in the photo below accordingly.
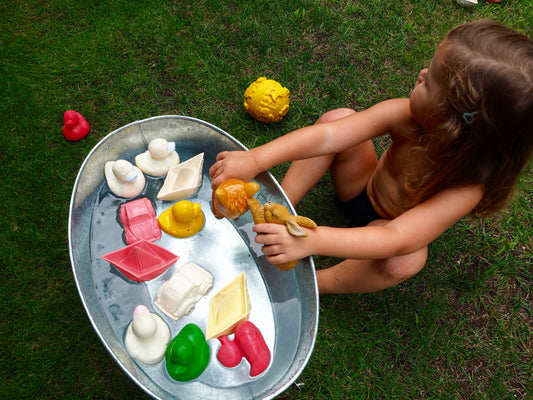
(279, 245)
(233, 164)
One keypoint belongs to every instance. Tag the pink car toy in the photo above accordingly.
(138, 218)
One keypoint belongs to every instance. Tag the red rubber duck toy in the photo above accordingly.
(76, 127)
(248, 343)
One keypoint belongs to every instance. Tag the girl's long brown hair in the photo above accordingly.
(487, 73)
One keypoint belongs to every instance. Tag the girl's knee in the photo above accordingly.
(400, 268)
(335, 114)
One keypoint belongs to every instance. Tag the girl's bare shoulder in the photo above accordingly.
(395, 114)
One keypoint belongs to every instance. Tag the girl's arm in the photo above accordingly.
(315, 140)
(405, 234)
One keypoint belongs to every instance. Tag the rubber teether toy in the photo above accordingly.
(230, 198)
(182, 220)
(159, 158)
(147, 336)
(76, 127)
(187, 354)
(249, 344)
(266, 100)
(124, 179)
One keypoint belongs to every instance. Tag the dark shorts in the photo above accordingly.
(359, 210)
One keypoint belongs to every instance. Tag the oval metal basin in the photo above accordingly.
(284, 305)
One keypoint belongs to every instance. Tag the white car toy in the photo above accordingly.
(177, 296)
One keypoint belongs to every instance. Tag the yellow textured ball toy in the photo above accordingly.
(266, 100)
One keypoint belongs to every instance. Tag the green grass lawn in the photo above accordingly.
(461, 329)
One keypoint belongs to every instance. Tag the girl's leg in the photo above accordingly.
(303, 175)
(364, 276)
(350, 170)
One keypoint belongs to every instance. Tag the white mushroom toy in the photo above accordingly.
(159, 158)
(124, 179)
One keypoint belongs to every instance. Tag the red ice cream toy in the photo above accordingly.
(76, 127)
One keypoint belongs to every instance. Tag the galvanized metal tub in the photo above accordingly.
(284, 304)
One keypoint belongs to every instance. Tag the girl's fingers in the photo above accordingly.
(277, 259)
(214, 169)
(267, 240)
(272, 250)
(267, 228)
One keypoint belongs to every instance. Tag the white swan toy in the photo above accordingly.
(124, 179)
(147, 336)
(159, 158)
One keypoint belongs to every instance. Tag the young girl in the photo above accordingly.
(457, 146)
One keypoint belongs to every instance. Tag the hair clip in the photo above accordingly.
(469, 117)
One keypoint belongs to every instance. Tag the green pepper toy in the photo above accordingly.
(187, 354)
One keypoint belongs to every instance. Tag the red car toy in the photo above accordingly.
(139, 221)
